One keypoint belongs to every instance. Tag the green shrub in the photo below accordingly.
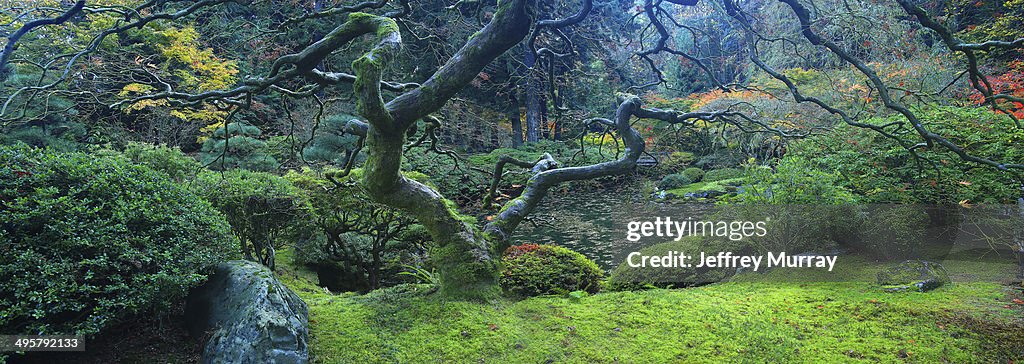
(91, 240)
(533, 270)
(165, 159)
(694, 174)
(331, 144)
(722, 174)
(677, 161)
(236, 146)
(894, 231)
(882, 171)
(283, 149)
(794, 181)
(61, 136)
(813, 211)
(673, 181)
(263, 209)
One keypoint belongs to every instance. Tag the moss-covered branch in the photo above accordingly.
(537, 187)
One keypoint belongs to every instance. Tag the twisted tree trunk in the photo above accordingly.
(463, 257)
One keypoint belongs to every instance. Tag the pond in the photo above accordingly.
(591, 222)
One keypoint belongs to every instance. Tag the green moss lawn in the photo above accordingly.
(747, 320)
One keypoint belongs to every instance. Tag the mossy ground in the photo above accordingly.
(752, 319)
(698, 187)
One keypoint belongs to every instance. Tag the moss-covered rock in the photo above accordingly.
(694, 174)
(705, 190)
(722, 174)
(919, 275)
(253, 317)
(673, 181)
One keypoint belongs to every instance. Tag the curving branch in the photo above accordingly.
(545, 162)
(651, 10)
(514, 211)
(5, 55)
(464, 257)
(507, 28)
(803, 16)
(72, 59)
(978, 80)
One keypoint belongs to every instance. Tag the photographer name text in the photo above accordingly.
(675, 259)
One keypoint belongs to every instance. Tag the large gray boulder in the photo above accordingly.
(250, 315)
(920, 275)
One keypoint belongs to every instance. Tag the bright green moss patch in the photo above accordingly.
(696, 188)
(729, 322)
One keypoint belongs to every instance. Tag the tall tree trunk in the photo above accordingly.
(558, 128)
(495, 138)
(544, 126)
(515, 117)
(534, 101)
(1018, 235)
(557, 104)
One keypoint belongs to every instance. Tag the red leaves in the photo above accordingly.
(519, 250)
(480, 79)
(1012, 83)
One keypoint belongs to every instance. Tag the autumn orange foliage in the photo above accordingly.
(1010, 83)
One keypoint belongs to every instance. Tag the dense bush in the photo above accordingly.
(722, 174)
(532, 270)
(813, 212)
(90, 240)
(894, 231)
(694, 174)
(331, 144)
(62, 136)
(794, 181)
(355, 244)
(677, 161)
(673, 181)
(264, 210)
(237, 146)
(165, 159)
(879, 170)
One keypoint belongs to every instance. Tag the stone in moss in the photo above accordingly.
(253, 317)
(920, 275)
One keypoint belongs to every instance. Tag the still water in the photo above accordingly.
(591, 222)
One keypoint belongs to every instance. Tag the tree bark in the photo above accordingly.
(534, 112)
(515, 117)
(501, 228)
(463, 257)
